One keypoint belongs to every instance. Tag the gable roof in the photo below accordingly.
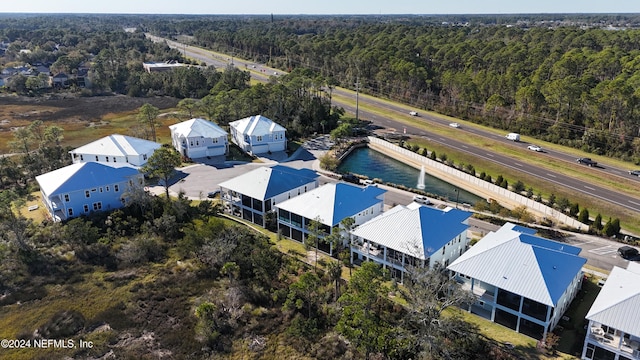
(256, 126)
(83, 176)
(618, 303)
(198, 127)
(331, 203)
(266, 182)
(418, 231)
(536, 268)
(118, 145)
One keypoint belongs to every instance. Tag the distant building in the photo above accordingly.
(116, 150)
(83, 188)
(258, 135)
(161, 66)
(521, 281)
(614, 318)
(412, 235)
(254, 194)
(198, 138)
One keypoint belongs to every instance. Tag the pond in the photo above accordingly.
(364, 161)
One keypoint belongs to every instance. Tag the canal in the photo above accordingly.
(376, 165)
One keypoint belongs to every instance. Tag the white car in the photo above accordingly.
(535, 148)
(413, 113)
(421, 199)
(455, 125)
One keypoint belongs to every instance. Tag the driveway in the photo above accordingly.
(199, 179)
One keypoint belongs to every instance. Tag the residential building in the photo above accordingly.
(521, 281)
(329, 204)
(83, 188)
(198, 138)
(613, 332)
(412, 235)
(116, 150)
(254, 194)
(258, 135)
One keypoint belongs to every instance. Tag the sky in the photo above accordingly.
(322, 7)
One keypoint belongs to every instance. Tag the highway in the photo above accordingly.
(531, 172)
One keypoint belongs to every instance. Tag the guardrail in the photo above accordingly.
(473, 184)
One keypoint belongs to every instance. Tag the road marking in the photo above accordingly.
(443, 139)
(490, 155)
(634, 203)
(551, 175)
(603, 250)
(465, 146)
(517, 164)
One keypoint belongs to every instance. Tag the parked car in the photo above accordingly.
(634, 172)
(213, 194)
(587, 161)
(535, 148)
(627, 252)
(349, 177)
(455, 125)
(421, 199)
(368, 182)
(413, 113)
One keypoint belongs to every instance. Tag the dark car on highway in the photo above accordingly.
(627, 252)
(634, 172)
(587, 161)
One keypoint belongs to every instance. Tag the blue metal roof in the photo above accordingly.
(439, 227)
(350, 199)
(83, 176)
(523, 230)
(284, 178)
(550, 244)
(558, 270)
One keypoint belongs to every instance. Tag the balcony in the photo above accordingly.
(612, 341)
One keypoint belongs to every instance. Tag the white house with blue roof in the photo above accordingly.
(254, 194)
(412, 235)
(258, 135)
(614, 317)
(329, 204)
(116, 150)
(521, 281)
(199, 138)
(86, 187)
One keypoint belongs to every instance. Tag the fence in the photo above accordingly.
(473, 184)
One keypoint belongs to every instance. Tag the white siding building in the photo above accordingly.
(521, 281)
(413, 235)
(613, 332)
(198, 138)
(116, 150)
(258, 135)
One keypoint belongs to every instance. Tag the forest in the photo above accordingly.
(569, 84)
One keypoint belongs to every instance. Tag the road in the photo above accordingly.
(262, 73)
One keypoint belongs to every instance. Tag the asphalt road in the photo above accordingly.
(600, 253)
(262, 73)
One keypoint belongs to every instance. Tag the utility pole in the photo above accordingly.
(357, 95)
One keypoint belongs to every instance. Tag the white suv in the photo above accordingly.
(420, 199)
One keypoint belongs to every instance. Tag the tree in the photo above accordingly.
(364, 315)
(148, 114)
(162, 164)
(583, 217)
(429, 293)
(334, 270)
(304, 292)
(54, 134)
(315, 235)
(188, 106)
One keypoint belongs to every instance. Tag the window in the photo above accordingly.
(190, 142)
(66, 197)
(106, 157)
(116, 188)
(81, 157)
(97, 206)
(107, 188)
(197, 142)
(144, 156)
(97, 158)
(214, 140)
(100, 189)
(70, 211)
(259, 138)
(87, 194)
(114, 159)
(94, 189)
(443, 249)
(246, 138)
(86, 208)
